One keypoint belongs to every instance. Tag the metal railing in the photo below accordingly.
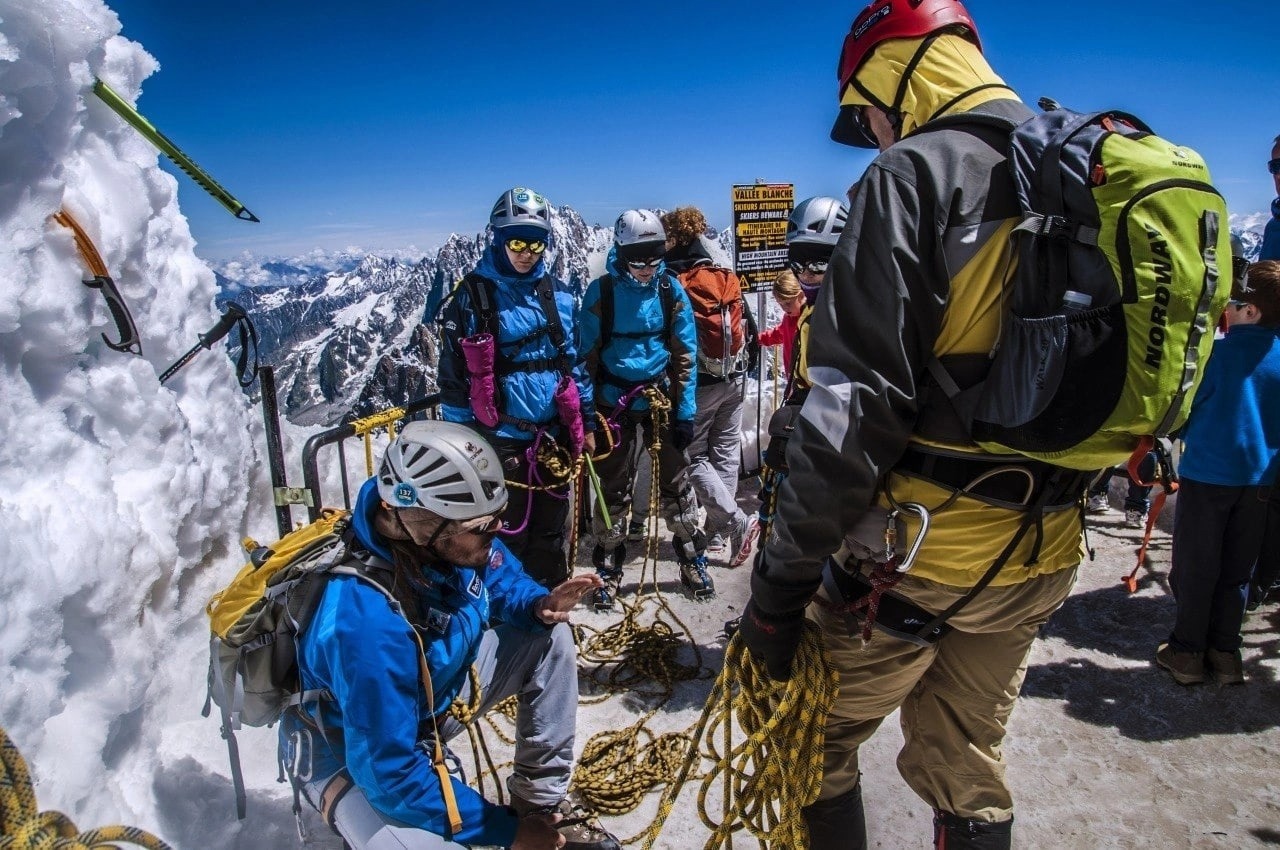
(309, 495)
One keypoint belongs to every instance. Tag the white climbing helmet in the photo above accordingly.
(444, 467)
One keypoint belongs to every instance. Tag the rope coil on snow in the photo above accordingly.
(24, 827)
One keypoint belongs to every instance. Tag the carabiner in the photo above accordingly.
(920, 511)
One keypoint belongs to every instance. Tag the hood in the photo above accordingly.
(681, 258)
(493, 265)
(367, 502)
(621, 273)
(952, 76)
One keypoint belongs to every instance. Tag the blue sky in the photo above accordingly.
(393, 123)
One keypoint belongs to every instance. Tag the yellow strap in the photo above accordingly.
(437, 758)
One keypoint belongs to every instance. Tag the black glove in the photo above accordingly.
(772, 638)
(681, 435)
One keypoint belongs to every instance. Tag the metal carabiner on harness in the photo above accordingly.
(891, 534)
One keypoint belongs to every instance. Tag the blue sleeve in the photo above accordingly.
(371, 660)
(588, 344)
(684, 360)
(512, 593)
(455, 393)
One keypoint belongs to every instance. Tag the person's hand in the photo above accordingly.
(538, 832)
(589, 442)
(556, 605)
(681, 435)
(772, 638)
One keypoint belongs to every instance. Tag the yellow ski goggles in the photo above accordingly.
(519, 246)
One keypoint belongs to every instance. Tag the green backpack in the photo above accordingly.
(1123, 268)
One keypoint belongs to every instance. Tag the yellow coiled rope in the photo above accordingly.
(24, 827)
(771, 768)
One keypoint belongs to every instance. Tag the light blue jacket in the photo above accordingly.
(522, 337)
(1271, 235)
(364, 654)
(638, 350)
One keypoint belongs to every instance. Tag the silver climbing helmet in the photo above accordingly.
(444, 467)
(521, 206)
(816, 221)
(639, 235)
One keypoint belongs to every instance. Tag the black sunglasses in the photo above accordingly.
(812, 267)
(1273, 166)
(644, 264)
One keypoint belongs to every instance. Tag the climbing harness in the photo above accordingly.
(134, 119)
(125, 328)
(24, 827)
(233, 316)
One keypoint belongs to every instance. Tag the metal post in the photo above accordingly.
(275, 450)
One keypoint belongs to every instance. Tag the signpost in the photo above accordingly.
(760, 212)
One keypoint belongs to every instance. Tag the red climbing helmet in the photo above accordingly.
(884, 20)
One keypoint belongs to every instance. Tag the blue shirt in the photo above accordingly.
(1232, 436)
(1271, 235)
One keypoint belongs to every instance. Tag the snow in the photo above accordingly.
(122, 504)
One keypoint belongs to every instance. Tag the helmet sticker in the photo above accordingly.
(876, 17)
(406, 494)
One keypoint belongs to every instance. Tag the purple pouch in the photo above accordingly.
(569, 406)
(478, 351)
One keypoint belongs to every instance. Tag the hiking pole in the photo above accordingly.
(102, 282)
(595, 485)
(180, 159)
(233, 314)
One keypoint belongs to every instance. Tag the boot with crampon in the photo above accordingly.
(691, 555)
(608, 564)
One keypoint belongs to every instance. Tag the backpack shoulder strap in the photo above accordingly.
(606, 310)
(547, 299)
(480, 293)
(667, 294)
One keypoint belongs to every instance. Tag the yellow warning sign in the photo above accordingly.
(760, 231)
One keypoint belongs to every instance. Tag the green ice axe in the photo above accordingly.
(195, 172)
(595, 485)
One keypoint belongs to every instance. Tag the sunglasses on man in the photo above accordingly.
(1273, 166)
(519, 246)
(812, 267)
(644, 264)
(479, 525)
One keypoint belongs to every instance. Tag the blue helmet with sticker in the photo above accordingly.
(444, 467)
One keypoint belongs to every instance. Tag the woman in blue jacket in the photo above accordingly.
(367, 743)
(535, 391)
(638, 333)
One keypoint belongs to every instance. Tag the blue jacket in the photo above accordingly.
(364, 654)
(522, 336)
(1232, 436)
(638, 351)
(1271, 235)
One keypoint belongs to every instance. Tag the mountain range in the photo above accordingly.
(351, 333)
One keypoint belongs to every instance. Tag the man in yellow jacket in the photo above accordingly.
(919, 274)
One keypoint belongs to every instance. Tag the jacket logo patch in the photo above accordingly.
(476, 588)
(438, 621)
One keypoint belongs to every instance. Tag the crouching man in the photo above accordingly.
(385, 676)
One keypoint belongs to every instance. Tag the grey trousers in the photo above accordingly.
(715, 454)
(541, 670)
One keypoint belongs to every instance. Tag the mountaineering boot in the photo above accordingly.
(636, 530)
(1227, 666)
(608, 566)
(952, 832)
(1186, 668)
(838, 823)
(579, 827)
(692, 556)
